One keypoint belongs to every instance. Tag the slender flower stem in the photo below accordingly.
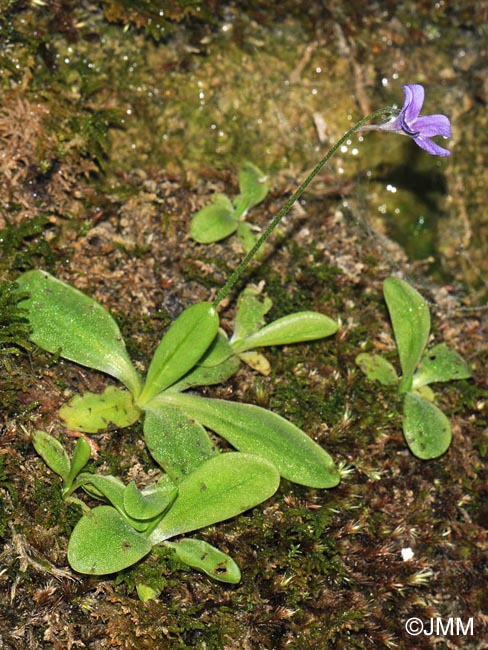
(236, 274)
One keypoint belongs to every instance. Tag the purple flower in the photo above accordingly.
(421, 129)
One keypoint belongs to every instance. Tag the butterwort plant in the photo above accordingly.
(200, 485)
(426, 428)
(193, 352)
(111, 537)
(223, 216)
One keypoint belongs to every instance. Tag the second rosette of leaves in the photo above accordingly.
(426, 429)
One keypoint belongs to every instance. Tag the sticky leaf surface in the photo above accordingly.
(93, 412)
(255, 430)
(103, 542)
(52, 453)
(426, 428)
(216, 366)
(150, 502)
(177, 442)
(376, 368)
(215, 221)
(251, 310)
(253, 186)
(222, 487)
(204, 557)
(181, 347)
(65, 321)
(411, 323)
(440, 364)
(295, 328)
(81, 455)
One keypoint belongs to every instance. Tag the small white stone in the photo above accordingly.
(407, 554)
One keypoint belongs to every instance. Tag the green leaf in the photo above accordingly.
(204, 557)
(221, 488)
(247, 237)
(440, 364)
(93, 412)
(256, 361)
(112, 489)
(426, 392)
(251, 310)
(52, 453)
(377, 368)
(150, 502)
(216, 366)
(81, 455)
(103, 542)
(294, 328)
(146, 593)
(426, 428)
(253, 188)
(255, 430)
(109, 487)
(181, 347)
(214, 222)
(208, 375)
(218, 352)
(67, 322)
(410, 318)
(176, 441)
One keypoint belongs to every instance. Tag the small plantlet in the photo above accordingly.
(426, 428)
(224, 217)
(110, 538)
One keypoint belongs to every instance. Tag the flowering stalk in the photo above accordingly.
(386, 112)
(405, 122)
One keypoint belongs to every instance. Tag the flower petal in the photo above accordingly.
(430, 146)
(432, 125)
(414, 98)
(420, 129)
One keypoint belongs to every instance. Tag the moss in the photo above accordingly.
(6, 509)
(14, 326)
(159, 571)
(91, 129)
(158, 18)
(24, 246)
(49, 492)
(113, 460)
(305, 407)
(139, 334)
(192, 270)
